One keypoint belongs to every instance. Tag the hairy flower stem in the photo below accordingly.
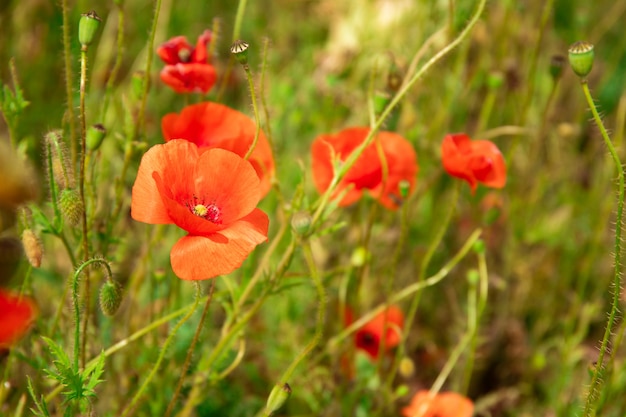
(599, 370)
(170, 338)
(321, 313)
(118, 60)
(255, 107)
(146, 82)
(192, 347)
(67, 58)
(81, 185)
(432, 248)
(75, 282)
(352, 158)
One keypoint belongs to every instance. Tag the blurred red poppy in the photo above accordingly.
(444, 404)
(16, 315)
(368, 171)
(187, 68)
(473, 161)
(388, 324)
(212, 195)
(211, 125)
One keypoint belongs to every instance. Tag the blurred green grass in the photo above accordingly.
(549, 250)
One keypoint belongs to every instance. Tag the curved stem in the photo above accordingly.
(255, 107)
(599, 371)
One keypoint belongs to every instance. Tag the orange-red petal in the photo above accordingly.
(169, 51)
(16, 315)
(204, 257)
(445, 404)
(212, 125)
(189, 78)
(388, 325)
(178, 158)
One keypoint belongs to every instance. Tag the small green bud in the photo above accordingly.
(279, 395)
(95, 136)
(32, 248)
(110, 297)
(380, 101)
(359, 257)
(301, 222)
(479, 246)
(71, 206)
(556, 66)
(87, 28)
(404, 186)
(580, 56)
(495, 80)
(239, 48)
(473, 277)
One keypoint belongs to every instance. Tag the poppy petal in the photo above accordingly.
(189, 78)
(200, 257)
(169, 51)
(200, 52)
(17, 314)
(173, 157)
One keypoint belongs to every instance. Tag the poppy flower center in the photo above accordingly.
(210, 212)
(367, 340)
(184, 54)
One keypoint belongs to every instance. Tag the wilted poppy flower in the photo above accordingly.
(444, 404)
(16, 315)
(367, 173)
(187, 68)
(211, 125)
(473, 161)
(212, 195)
(369, 337)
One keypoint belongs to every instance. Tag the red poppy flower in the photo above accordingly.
(367, 173)
(444, 404)
(17, 313)
(212, 195)
(368, 338)
(187, 69)
(473, 161)
(211, 125)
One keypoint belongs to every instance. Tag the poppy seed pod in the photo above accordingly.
(95, 135)
(239, 48)
(87, 28)
(581, 56)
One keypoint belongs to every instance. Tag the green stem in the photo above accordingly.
(241, 8)
(192, 347)
(146, 87)
(597, 378)
(321, 313)
(352, 158)
(118, 60)
(129, 409)
(255, 107)
(67, 58)
(81, 185)
(75, 281)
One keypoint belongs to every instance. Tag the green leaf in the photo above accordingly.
(42, 408)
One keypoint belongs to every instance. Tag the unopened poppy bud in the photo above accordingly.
(87, 27)
(407, 367)
(301, 222)
(239, 48)
(110, 297)
(279, 395)
(581, 56)
(380, 102)
(61, 167)
(495, 80)
(473, 277)
(556, 66)
(71, 206)
(95, 136)
(479, 246)
(359, 257)
(404, 186)
(32, 248)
